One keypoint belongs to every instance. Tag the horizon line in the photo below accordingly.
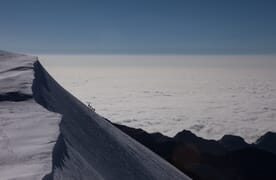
(73, 52)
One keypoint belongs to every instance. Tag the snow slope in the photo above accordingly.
(87, 147)
(27, 130)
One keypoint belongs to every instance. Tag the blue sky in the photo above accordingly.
(139, 26)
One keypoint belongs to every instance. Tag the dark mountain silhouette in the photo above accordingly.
(226, 159)
(231, 142)
(267, 142)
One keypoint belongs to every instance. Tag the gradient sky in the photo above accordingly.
(139, 26)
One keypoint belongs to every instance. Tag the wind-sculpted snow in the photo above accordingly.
(27, 130)
(87, 147)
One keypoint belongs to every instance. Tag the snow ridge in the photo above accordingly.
(87, 147)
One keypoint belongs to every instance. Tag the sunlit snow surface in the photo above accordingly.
(230, 95)
(27, 130)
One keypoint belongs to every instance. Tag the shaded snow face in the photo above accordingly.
(27, 130)
(91, 147)
(209, 101)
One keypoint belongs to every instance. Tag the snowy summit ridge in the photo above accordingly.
(46, 133)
